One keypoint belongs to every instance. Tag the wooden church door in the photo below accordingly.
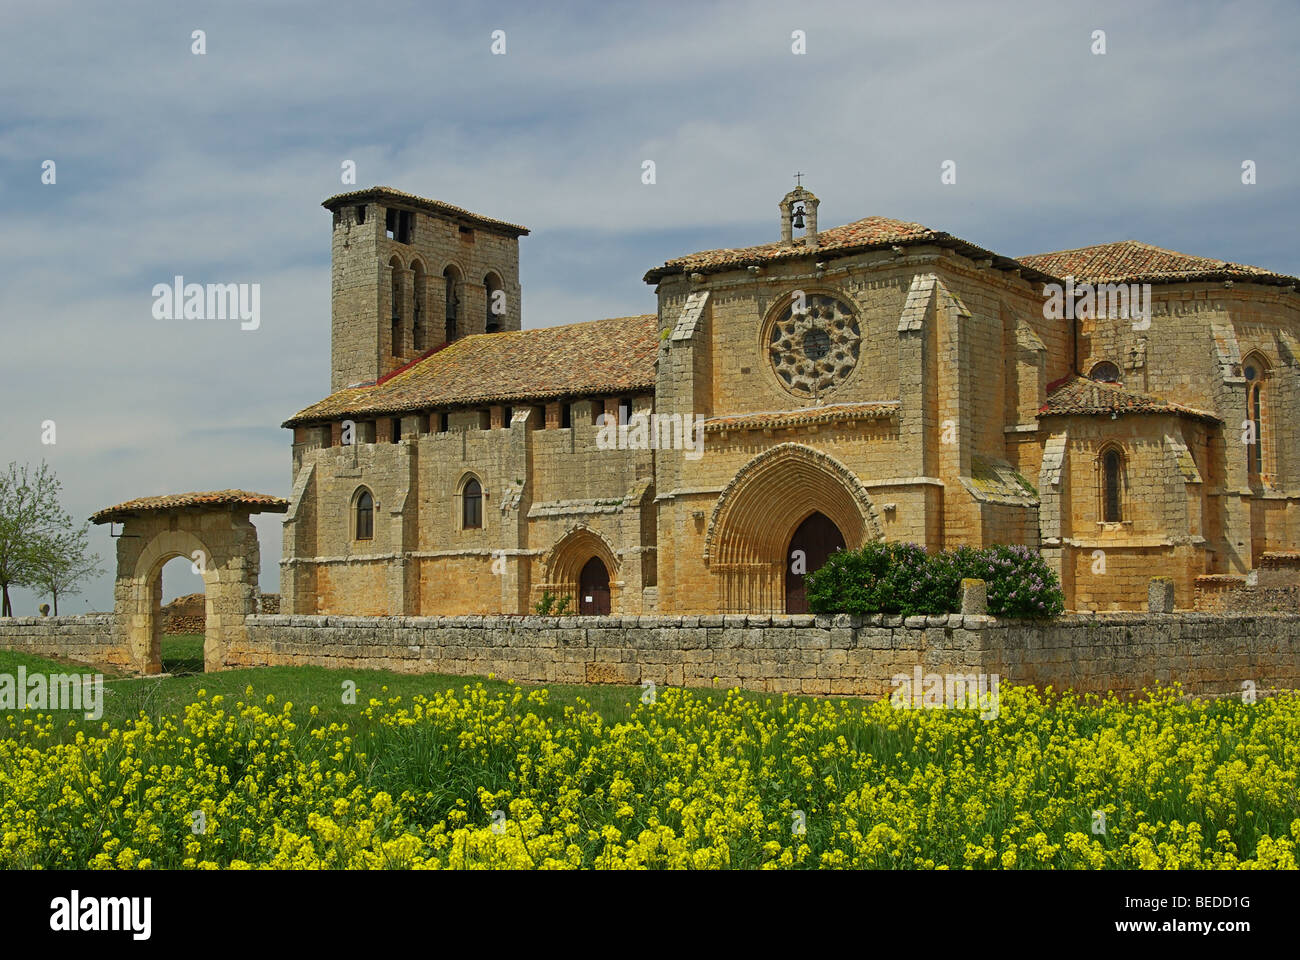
(816, 539)
(593, 589)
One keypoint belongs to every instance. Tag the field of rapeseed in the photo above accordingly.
(473, 778)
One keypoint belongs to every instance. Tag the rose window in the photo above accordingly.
(813, 351)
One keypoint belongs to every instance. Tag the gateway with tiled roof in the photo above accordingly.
(813, 390)
(241, 500)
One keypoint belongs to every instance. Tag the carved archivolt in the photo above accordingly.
(570, 553)
(758, 511)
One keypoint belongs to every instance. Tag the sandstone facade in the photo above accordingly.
(897, 381)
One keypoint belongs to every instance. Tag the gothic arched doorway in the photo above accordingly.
(593, 589)
(748, 540)
(810, 547)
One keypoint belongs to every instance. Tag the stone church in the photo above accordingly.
(874, 380)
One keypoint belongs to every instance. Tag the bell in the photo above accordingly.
(798, 218)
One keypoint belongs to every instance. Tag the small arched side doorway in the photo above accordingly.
(593, 589)
(810, 547)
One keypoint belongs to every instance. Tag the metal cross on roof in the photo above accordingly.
(798, 179)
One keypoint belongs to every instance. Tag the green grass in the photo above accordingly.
(182, 653)
(126, 696)
(1189, 783)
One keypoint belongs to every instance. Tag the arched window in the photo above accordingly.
(365, 516)
(417, 306)
(395, 270)
(1112, 486)
(452, 277)
(1105, 372)
(495, 301)
(471, 507)
(1255, 369)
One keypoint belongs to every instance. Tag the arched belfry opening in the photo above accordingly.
(799, 212)
(213, 532)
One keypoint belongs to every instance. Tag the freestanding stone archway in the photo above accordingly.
(213, 531)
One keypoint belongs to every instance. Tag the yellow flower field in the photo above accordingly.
(472, 779)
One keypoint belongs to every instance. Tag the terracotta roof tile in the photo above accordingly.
(870, 233)
(579, 359)
(1080, 396)
(255, 502)
(1129, 261)
(381, 194)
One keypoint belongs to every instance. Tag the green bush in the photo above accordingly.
(902, 579)
(552, 606)
(1020, 583)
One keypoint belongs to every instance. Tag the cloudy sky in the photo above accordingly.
(213, 167)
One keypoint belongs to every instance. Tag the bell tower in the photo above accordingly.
(799, 212)
(410, 275)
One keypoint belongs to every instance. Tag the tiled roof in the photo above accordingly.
(834, 413)
(1129, 261)
(382, 194)
(871, 233)
(1079, 395)
(254, 502)
(578, 359)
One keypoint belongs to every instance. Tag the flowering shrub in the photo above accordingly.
(1020, 583)
(902, 579)
(469, 779)
(879, 578)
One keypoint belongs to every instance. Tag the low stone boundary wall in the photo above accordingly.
(175, 626)
(86, 638)
(1228, 593)
(824, 655)
(821, 655)
(188, 614)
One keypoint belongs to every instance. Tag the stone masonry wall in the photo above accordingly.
(1226, 593)
(187, 615)
(87, 638)
(840, 655)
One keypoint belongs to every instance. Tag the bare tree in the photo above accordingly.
(29, 511)
(61, 562)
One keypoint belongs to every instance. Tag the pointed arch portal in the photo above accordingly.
(212, 531)
(582, 565)
(755, 521)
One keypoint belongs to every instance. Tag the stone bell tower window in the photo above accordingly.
(452, 278)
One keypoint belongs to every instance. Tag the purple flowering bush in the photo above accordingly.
(901, 578)
(1020, 583)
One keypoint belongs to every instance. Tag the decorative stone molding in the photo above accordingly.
(755, 511)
